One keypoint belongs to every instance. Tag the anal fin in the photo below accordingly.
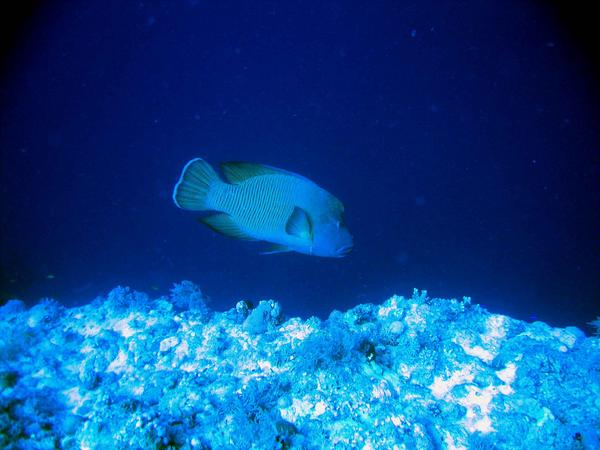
(276, 248)
(225, 225)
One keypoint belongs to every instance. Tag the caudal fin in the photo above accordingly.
(194, 184)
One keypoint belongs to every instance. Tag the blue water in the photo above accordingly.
(462, 138)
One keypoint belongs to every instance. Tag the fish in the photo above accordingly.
(257, 202)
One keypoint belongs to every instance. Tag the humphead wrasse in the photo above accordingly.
(262, 203)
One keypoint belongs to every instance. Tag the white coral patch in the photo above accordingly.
(478, 405)
(123, 326)
(119, 364)
(75, 399)
(302, 408)
(168, 343)
(496, 328)
(441, 386)
(476, 350)
(508, 374)
(389, 306)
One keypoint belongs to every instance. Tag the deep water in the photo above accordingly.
(462, 138)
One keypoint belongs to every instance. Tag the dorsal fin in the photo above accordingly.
(236, 171)
(299, 224)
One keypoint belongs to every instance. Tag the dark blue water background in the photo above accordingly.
(462, 138)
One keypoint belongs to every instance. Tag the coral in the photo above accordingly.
(128, 371)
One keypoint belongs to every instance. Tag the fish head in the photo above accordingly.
(332, 239)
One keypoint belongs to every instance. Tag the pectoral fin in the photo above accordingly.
(224, 224)
(299, 224)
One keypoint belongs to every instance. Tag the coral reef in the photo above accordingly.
(127, 371)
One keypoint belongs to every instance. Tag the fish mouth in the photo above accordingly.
(343, 251)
